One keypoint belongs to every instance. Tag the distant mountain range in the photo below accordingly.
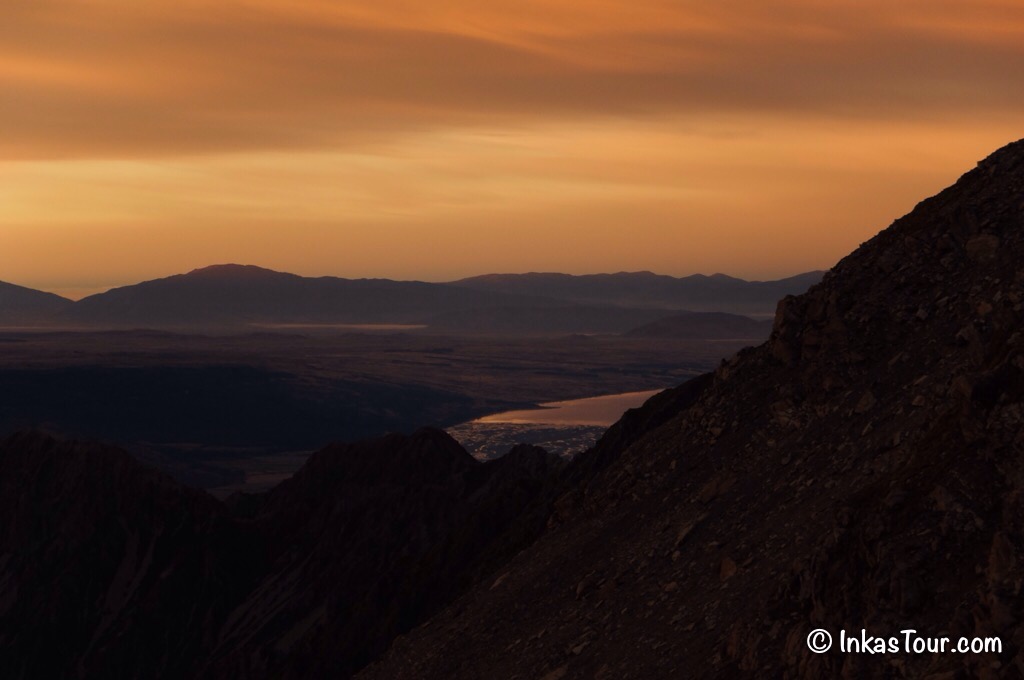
(234, 297)
(719, 293)
(20, 305)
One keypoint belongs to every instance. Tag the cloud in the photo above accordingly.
(121, 79)
(756, 197)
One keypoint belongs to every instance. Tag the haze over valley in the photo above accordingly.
(229, 376)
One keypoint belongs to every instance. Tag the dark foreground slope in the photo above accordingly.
(864, 469)
(368, 540)
(110, 570)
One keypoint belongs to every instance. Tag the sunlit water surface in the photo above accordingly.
(562, 427)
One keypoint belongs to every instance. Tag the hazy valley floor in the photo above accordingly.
(243, 411)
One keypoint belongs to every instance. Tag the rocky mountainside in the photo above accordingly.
(369, 540)
(864, 469)
(25, 306)
(110, 570)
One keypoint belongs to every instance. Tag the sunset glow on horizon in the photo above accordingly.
(434, 141)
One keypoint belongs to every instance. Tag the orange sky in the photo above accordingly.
(411, 139)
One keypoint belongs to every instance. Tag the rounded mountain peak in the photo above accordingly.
(235, 271)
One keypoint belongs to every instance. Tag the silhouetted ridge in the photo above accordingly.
(862, 470)
(372, 537)
(109, 569)
(105, 565)
(427, 456)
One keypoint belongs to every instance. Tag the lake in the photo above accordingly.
(562, 427)
(597, 411)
